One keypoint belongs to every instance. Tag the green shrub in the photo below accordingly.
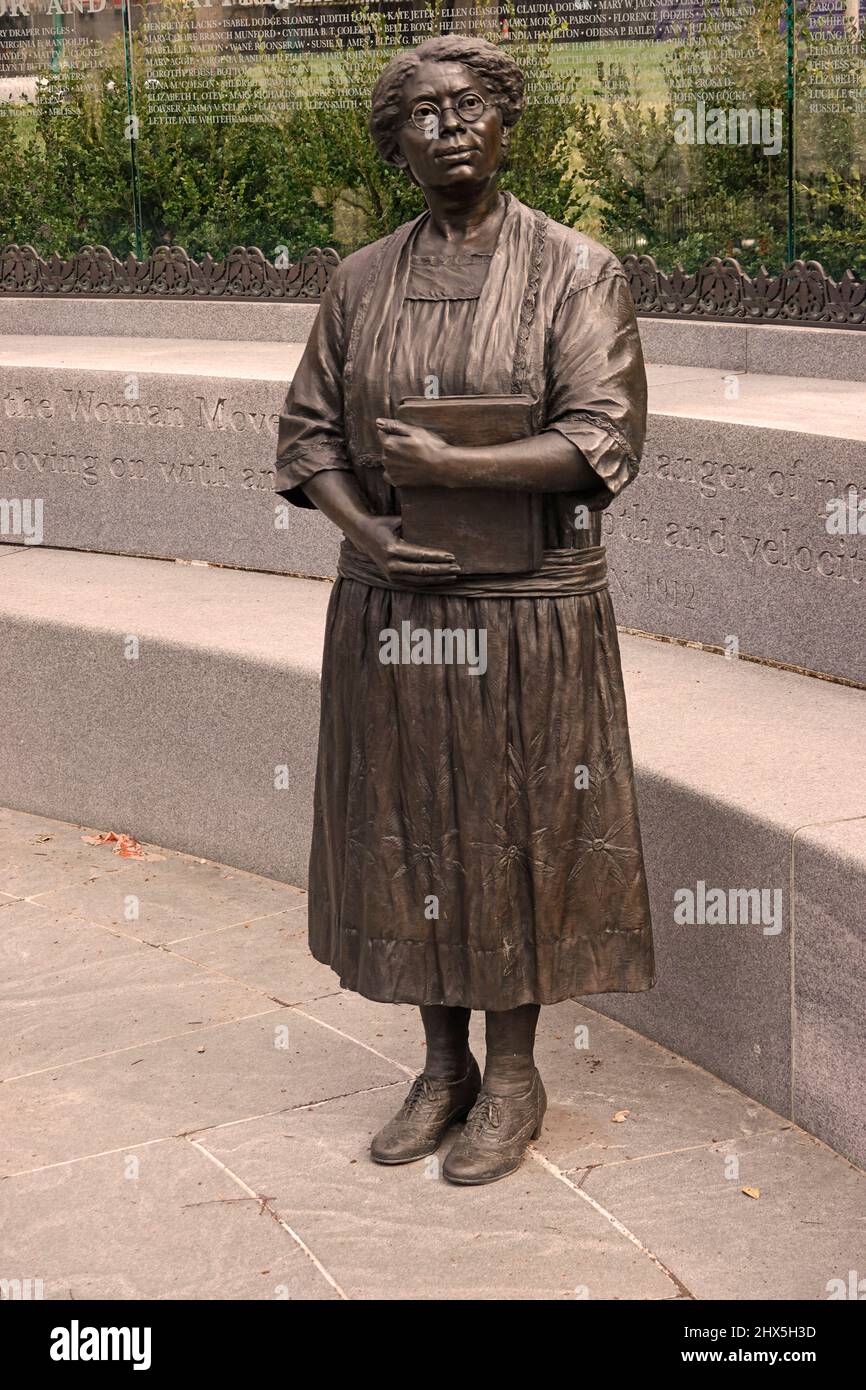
(685, 202)
(605, 159)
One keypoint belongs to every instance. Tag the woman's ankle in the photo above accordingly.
(447, 1066)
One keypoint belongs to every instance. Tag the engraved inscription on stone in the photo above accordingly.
(179, 471)
(727, 537)
(90, 410)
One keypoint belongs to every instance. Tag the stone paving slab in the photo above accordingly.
(249, 1130)
(65, 1013)
(408, 1234)
(271, 955)
(807, 1227)
(37, 944)
(41, 861)
(201, 1077)
(174, 900)
(115, 1225)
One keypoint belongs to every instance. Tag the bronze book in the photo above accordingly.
(490, 532)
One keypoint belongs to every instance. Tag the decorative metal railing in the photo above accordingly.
(169, 273)
(720, 291)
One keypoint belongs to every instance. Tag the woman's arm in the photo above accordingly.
(313, 465)
(595, 413)
(546, 462)
(337, 494)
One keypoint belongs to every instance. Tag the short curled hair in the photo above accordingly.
(500, 74)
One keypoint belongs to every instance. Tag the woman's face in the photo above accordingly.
(450, 151)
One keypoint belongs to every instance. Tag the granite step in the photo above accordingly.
(763, 348)
(772, 349)
(179, 703)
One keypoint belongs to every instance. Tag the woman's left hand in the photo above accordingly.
(413, 456)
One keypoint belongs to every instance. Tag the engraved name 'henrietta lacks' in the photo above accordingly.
(476, 841)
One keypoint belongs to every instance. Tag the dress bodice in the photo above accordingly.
(436, 325)
(435, 329)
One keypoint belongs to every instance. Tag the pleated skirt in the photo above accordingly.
(476, 838)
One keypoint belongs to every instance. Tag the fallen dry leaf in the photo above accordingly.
(620, 1116)
(126, 845)
(754, 1192)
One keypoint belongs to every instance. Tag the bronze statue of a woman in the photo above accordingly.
(476, 841)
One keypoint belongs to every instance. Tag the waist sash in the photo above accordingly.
(561, 572)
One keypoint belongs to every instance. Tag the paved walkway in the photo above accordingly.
(188, 1098)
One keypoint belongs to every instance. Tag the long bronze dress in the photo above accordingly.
(460, 854)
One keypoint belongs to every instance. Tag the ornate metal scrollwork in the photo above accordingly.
(722, 292)
(169, 273)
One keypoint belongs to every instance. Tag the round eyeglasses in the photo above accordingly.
(427, 116)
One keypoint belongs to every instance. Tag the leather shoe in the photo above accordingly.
(428, 1111)
(496, 1134)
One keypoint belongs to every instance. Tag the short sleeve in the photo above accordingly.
(311, 437)
(596, 382)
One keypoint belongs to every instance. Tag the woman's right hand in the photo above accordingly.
(379, 538)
